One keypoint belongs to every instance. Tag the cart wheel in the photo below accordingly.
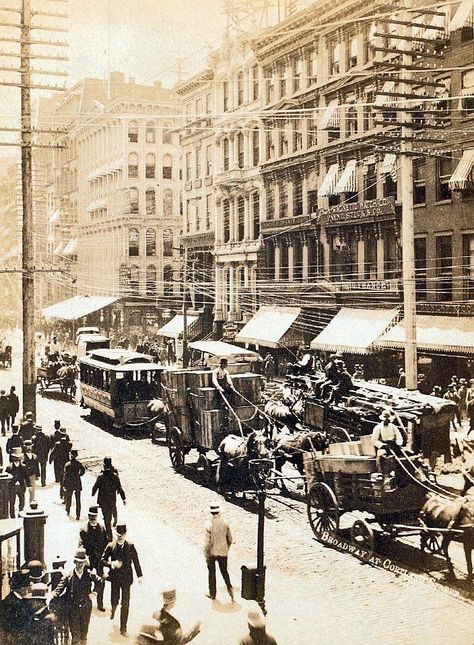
(323, 510)
(338, 435)
(176, 450)
(362, 536)
(204, 468)
(430, 542)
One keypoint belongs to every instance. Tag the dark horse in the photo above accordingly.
(234, 456)
(67, 379)
(291, 446)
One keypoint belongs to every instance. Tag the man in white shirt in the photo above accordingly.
(218, 539)
(385, 436)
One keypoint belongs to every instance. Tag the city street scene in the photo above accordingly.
(236, 322)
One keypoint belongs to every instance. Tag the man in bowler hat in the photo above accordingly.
(73, 471)
(119, 556)
(41, 448)
(94, 540)
(16, 613)
(218, 539)
(74, 591)
(19, 481)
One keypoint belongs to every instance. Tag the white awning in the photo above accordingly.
(463, 176)
(174, 328)
(222, 350)
(348, 180)
(331, 117)
(389, 165)
(55, 217)
(463, 16)
(59, 249)
(268, 327)
(70, 248)
(78, 307)
(354, 330)
(328, 186)
(434, 333)
(384, 99)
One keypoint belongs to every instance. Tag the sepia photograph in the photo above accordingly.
(236, 322)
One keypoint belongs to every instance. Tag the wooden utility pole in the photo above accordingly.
(408, 225)
(28, 282)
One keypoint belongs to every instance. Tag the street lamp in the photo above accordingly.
(260, 470)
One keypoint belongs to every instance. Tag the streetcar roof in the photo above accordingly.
(120, 360)
(93, 338)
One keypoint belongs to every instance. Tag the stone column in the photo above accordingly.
(277, 259)
(380, 259)
(291, 256)
(218, 297)
(247, 226)
(304, 189)
(231, 313)
(360, 259)
(305, 258)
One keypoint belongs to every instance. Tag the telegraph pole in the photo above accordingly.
(408, 225)
(28, 283)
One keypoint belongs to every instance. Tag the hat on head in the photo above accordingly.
(256, 618)
(93, 510)
(386, 414)
(463, 381)
(27, 443)
(15, 427)
(38, 428)
(107, 462)
(214, 507)
(74, 452)
(57, 423)
(81, 555)
(35, 569)
(29, 415)
(17, 452)
(62, 430)
(339, 354)
(169, 595)
(121, 529)
(2, 392)
(38, 590)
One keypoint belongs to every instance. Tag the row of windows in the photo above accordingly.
(150, 166)
(196, 219)
(150, 242)
(194, 162)
(151, 134)
(129, 279)
(150, 201)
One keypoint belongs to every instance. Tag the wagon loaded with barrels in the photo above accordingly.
(198, 419)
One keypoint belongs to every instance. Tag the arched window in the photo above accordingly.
(167, 280)
(150, 166)
(124, 279)
(225, 154)
(351, 120)
(134, 200)
(133, 132)
(226, 220)
(168, 202)
(133, 242)
(167, 134)
(151, 280)
(167, 242)
(134, 278)
(167, 167)
(133, 165)
(150, 135)
(150, 241)
(150, 201)
(240, 88)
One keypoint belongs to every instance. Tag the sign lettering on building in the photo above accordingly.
(347, 212)
(368, 285)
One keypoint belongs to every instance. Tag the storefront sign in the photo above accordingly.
(347, 212)
(368, 285)
(229, 331)
(285, 222)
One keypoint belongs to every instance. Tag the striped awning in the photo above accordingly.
(463, 176)
(272, 327)
(389, 166)
(328, 186)
(59, 249)
(453, 334)
(347, 182)
(70, 248)
(463, 16)
(331, 117)
(78, 307)
(384, 99)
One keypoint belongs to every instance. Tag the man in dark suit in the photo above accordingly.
(119, 556)
(41, 448)
(27, 426)
(16, 613)
(73, 471)
(74, 590)
(4, 412)
(19, 481)
(59, 456)
(107, 486)
(94, 540)
(13, 405)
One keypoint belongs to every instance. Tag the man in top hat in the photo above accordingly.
(27, 426)
(170, 627)
(35, 571)
(30, 462)
(74, 589)
(41, 631)
(19, 481)
(59, 456)
(16, 613)
(4, 412)
(73, 471)
(119, 556)
(107, 485)
(94, 540)
(257, 629)
(218, 540)
(59, 432)
(14, 441)
(13, 405)
(386, 437)
(41, 448)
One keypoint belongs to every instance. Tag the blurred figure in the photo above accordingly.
(42, 627)
(19, 481)
(169, 630)
(218, 539)
(106, 486)
(452, 395)
(257, 629)
(269, 367)
(41, 448)
(94, 540)
(15, 441)
(4, 412)
(13, 405)
(27, 427)
(59, 456)
(30, 461)
(437, 391)
(16, 613)
(462, 391)
(73, 471)
(386, 437)
(401, 383)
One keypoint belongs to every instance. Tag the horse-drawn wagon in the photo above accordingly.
(199, 418)
(57, 372)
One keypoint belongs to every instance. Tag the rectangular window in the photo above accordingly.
(370, 259)
(312, 125)
(419, 182)
(255, 216)
(443, 174)
(270, 147)
(188, 166)
(467, 92)
(240, 89)
(208, 103)
(255, 83)
(296, 72)
(270, 84)
(468, 265)
(256, 147)
(226, 154)
(188, 217)
(297, 136)
(444, 268)
(225, 95)
(334, 58)
(391, 263)
(420, 267)
(282, 142)
(270, 201)
(198, 213)
(368, 110)
(283, 195)
(198, 163)
(298, 196)
(312, 66)
(208, 161)
(351, 49)
(389, 187)
(370, 181)
(312, 201)
(208, 211)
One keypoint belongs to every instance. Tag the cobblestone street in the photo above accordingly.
(313, 593)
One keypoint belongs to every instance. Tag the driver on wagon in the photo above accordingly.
(385, 436)
(222, 381)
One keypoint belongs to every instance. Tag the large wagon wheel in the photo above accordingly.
(430, 542)
(362, 536)
(323, 510)
(338, 435)
(204, 469)
(176, 449)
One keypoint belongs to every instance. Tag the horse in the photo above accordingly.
(67, 379)
(291, 446)
(6, 357)
(234, 455)
(439, 512)
(285, 415)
